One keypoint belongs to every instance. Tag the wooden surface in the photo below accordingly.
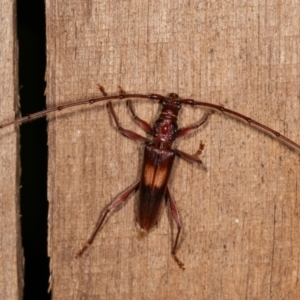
(11, 257)
(240, 210)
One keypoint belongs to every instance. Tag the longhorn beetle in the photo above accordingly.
(158, 155)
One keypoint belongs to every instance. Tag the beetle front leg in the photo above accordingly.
(176, 218)
(143, 124)
(128, 133)
(187, 130)
(120, 199)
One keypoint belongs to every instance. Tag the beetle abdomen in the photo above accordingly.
(156, 171)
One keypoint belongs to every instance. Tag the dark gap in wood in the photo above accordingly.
(33, 140)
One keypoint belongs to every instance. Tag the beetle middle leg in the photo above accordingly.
(187, 130)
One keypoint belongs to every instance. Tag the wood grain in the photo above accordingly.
(11, 257)
(240, 210)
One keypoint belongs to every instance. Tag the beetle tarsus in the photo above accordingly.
(121, 91)
(102, 89)
(80, 252)
(199, 151)
(179, 262)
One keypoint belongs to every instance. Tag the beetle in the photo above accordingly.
(158, 155)
(157, 166)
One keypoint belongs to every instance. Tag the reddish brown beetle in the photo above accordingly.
(157, 166)
(158, 155)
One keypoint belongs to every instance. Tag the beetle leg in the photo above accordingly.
(199, 151)
(128, 133)
(176, 218)
(143, 124)
(191, 157)
(187, 130)
(120, 199)
(102, 89)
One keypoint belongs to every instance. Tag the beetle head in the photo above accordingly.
(171, 104)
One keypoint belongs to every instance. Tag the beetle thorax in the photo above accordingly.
(164, 131)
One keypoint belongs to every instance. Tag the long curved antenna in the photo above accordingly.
(158, 97)
(241, 116)
(72, 104)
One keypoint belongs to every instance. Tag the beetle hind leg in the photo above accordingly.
(176, 218)
(119, 200)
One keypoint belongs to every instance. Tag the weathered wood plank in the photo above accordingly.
(240, 211)
(11, 256)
